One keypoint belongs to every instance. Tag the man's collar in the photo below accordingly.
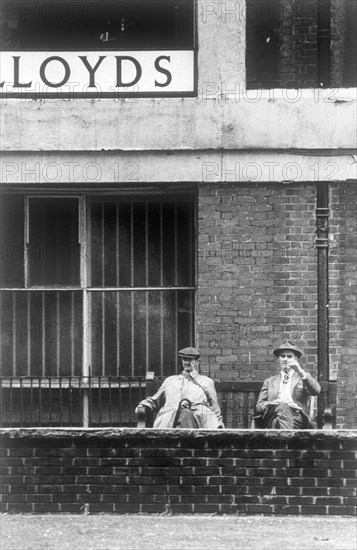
(193, 374)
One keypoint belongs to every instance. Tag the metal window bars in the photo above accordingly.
(86, 401)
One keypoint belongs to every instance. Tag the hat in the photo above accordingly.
(287, 346)
(189, 353)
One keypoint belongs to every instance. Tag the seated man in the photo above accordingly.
(284, 399)
(187, 400)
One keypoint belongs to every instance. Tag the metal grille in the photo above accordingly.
(132, 332)
(41, 333)
(70, 401)
(140, 285)
(141, 244)
(104, 286)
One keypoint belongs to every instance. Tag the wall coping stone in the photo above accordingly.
(151, 433)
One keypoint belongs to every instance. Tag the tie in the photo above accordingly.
(286, 378)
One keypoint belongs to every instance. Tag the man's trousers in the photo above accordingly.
(283, 417)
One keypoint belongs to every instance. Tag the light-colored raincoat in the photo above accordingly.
(175, 388)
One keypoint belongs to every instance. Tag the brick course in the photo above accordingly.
(196, 472)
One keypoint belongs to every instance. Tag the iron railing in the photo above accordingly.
(86, 401)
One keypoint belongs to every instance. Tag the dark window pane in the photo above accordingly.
(42, 333)
(185, 318)
(185, 244)
(103, 246)
(53, 249)
(155, 333)
(126, 337)
(301, 44)
(282, 43)
(141, 244)
(110, 244)
(169, 247)
(125, 244)
(94, 249)
(140, 328)
(12, 241)
(263, 44)
(350, 46)
(137, 244)
(154, 245)
(136, 331)
(178, 311)
(97, 25)
(112, 335)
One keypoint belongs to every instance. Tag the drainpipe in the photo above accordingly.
(323, 43)
(322, 245)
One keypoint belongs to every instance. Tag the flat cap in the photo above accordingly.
(287, 346)
(191, 353)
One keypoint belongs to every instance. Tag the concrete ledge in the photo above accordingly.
(151, 433)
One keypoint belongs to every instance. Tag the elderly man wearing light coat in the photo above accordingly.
(186, 400)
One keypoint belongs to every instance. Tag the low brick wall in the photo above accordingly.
(178, 471)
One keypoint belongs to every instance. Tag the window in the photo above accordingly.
(301, 44)
(96, 286)
(92, 25)
(105, 47)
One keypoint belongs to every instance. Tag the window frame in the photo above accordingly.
(84, 200)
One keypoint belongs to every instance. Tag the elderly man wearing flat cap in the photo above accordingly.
(284, 399)
(187, 400)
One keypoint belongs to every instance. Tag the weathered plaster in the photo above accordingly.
(181, 124)
(131, 168)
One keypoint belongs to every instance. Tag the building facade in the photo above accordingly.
(175, 173)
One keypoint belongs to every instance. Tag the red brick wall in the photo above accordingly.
(152, 471)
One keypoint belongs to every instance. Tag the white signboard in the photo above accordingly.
(97, 73)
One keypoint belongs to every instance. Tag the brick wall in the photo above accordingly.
(343, 43)
(343, 295)
(337, 43)
(152, 471)
(298, 43)
(282, 43)
(258, 282)
(257, 276)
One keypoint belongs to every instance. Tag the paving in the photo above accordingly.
(181, 532)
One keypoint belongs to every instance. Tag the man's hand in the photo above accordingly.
(294, 365)
(138, 407)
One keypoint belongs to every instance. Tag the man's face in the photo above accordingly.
(284, 358)
(189, 365)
